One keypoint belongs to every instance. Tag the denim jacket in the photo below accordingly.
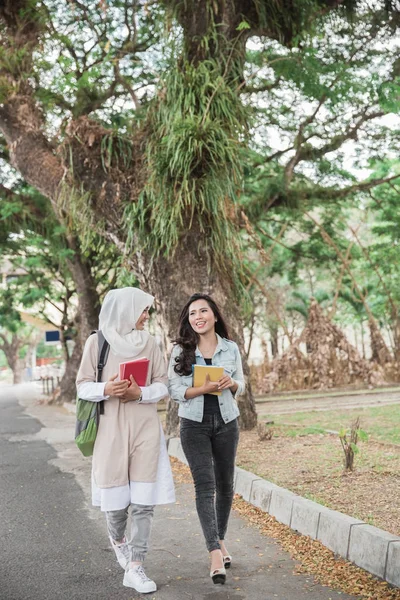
(226, 355)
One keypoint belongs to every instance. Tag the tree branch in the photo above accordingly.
(311, 153)
(333, 194)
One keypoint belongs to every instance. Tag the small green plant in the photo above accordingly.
(349, 439)
(370, 519)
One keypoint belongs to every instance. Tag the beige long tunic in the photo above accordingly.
(128, 439)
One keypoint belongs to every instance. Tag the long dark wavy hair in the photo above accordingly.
(188, 338)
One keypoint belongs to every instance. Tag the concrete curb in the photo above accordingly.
(370, 548)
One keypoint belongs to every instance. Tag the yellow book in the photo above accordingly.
(200, 372)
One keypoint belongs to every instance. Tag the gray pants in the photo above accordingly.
(210, 448)
(141, 520)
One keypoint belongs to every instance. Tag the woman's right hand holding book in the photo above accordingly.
(208, 387)
(116, 388)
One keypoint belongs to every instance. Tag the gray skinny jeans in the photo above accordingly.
(141, 520)
(210, 449)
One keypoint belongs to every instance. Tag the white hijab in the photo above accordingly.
(118, 316)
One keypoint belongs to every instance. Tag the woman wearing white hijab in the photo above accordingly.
(130, 468)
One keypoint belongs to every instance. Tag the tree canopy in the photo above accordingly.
(187, 134)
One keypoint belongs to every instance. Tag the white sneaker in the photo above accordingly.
(122, 553)
(137, 579)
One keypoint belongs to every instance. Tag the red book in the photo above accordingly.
(137, 368)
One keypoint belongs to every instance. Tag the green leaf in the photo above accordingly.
(242, 25)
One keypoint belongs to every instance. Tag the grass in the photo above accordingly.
(315, 498)
(288, 432)
(381, 423)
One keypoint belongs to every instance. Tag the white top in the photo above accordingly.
(90, 390)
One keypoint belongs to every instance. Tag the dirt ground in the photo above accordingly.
(312, 466)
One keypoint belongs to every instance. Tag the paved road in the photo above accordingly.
(321, 403)
(50, 550)
(54, 548)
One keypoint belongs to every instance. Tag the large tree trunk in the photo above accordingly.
(87, 317)
(86, 321)
(64, 346)
(172, 282)
(18, 371)
(67, 384)
(17, 367)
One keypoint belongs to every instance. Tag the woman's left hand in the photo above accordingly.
(225, 382)
(132, 393)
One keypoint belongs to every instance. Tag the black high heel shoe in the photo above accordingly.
(227, 561)
(218, 575)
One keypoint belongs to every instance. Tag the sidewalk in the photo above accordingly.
(261, 570)
(178, 560)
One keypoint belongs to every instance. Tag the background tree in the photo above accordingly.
(16, 337)
(381, 254)
(136, 122)
(38, 247)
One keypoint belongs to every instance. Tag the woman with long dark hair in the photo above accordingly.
(208, 427)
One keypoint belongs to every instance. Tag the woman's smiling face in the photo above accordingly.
(140, 323)
(201, 317)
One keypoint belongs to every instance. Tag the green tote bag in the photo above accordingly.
(87, 412)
